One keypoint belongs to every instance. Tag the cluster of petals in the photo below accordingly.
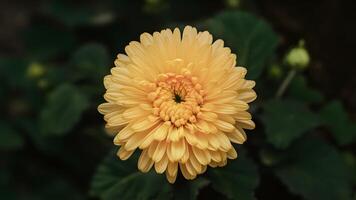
(180, 99)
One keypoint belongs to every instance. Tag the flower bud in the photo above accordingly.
(298, 57)
(35, 70)
(233, 3)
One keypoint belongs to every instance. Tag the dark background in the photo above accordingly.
(67, 165)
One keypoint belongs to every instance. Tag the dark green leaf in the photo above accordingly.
(335, 116)
(45, 42)
(69, 14)
(63, 110)
(189, 190)
(252, 39)
(315, 170)
(299, 90)
(9, 138)
(56, 190)
(286, 120)
(237, 180)
(195, 185)
(116, 179)
(91, 60)
(13, 72)
(350, 160)
(73, 14)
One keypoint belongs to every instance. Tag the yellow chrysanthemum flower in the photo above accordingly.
(180, 99)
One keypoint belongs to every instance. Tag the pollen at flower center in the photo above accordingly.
(177, 98)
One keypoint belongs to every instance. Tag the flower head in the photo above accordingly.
(180, 99)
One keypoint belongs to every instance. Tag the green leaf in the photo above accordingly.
(286, 120)
(73, 14)
(299, 90)
(46, 42)
(63, 110)
(252, 39)
(335, 117)
(350, 160)
(117, 179)
(57, 189)
(237, 180)
(13, 72)
(189, 189)
(315, 170)
(195, 185)
(91, 60)
(9, 138)
(68, 14)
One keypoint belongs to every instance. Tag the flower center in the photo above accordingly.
(177, 98)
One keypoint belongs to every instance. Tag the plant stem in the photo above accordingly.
(282, 88)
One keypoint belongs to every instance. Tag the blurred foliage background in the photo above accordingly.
(54, 54)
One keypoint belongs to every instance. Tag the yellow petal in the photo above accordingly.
(144, 162)
(173, 134)
(152, 148)
(106, 108)
(225, 143)
(215, 156)
(134, 113)
(186, 154)
(162, 132)
(248, 96)
(190, 168)
(172, 168)
(171, 172)
(135, 141)
(123, 154)
(232, 154)
(224, 126)
(225, 109)
(240, 105)
(171, 179)
(243, 115)
(116, 119)
(123, 134)
(160, 151)
(202, 140)
(195, 163)
(150, 137)
(191, 138)
(203, 156)
(246, 124)
(237, 136)
(143, 124)
(185, 172)
(208, 116)
(203, 126)
(177, 149)
(161, 165)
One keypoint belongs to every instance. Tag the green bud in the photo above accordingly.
(233, 3)
(298, 57)
(35, 70)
